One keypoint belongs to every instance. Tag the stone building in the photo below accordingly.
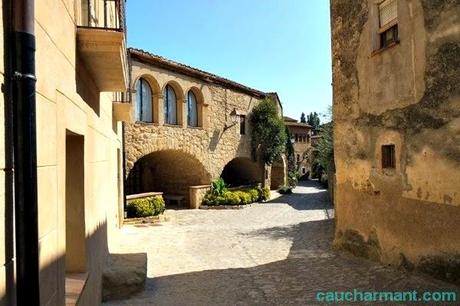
(301, 138)
(190, 128)
(69, 185)
(396, 76)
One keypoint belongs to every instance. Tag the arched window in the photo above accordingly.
(170, 105)
(143, 101)
(192, 109)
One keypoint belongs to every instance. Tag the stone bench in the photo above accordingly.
(173, 197)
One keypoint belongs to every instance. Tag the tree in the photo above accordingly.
(326, 146)
(313, 120)
(291, 162)
(268, 131)
(302, 118)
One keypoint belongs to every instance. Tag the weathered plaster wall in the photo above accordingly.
(407, 95)
(60, 109)
(211, 144)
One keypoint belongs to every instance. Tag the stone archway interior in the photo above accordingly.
(169, 171)
(241, 171)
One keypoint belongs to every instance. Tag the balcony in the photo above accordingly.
(101, 43)
(122, 107)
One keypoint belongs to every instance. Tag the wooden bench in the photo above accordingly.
(173, 197)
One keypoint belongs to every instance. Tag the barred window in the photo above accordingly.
(388, 157)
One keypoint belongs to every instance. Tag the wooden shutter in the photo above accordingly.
(388, 11)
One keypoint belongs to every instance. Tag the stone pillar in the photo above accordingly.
(161, 107)
(182, 112)
(204, 116)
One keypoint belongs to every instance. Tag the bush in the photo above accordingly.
(158, 205)
(245, 197)
(285, 190)
(231, 198)
(239, 197)
(264, 193)
(145, 207)
(254, 194)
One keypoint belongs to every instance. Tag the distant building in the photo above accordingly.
(396, 76)
(301, 138)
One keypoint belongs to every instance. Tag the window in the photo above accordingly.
(242, 125)
(143, 101)
(304, 138)
(388, 157)
(192, 110)
(303, 170)
(170, 105)
(298, 158)
(296, 138)
(388, 23)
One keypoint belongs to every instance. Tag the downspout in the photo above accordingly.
(25, 154)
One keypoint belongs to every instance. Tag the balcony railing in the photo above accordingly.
(109, 16)
(122, 107)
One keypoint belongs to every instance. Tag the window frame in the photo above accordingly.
(166, 105)
(140, 83)
(242, 124)
(388, 156)
(390, 26)
(189, 94)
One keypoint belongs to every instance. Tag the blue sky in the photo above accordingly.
(270, 45)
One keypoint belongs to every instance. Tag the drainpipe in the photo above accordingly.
(25, 153)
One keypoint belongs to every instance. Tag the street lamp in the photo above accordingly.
(233, 120)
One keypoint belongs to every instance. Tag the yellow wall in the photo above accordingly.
(60, 110)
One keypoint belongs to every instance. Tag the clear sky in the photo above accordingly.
(269, 45)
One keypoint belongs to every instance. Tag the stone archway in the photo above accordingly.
(167, 171)
(242, 171)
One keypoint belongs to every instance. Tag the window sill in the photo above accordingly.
(172, 125)
(195, 127)
(378, 51)
(74, 285)
(147, 123)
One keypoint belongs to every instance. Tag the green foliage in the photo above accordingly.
(326, 148)
(285, 190)
(218, 187)
(293, 178)
(245, 197)
(302, 118)
(231, 198)
(268, 131)
(314, 121)
(290, 154)
(264, 193)
(145, 207)
(158, 205)
(238, 197)
(254, 194)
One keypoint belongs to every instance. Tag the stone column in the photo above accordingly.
(160, 114)
(182, 112)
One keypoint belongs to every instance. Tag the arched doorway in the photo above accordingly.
(168, 171)
(242, 171)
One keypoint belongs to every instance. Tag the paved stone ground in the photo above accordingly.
(275, 253)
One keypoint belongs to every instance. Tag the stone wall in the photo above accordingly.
(407, 96)
(214, 144)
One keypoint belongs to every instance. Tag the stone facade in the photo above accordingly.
(301, 137)
(174, 157)
(79, 152)
(399, 102)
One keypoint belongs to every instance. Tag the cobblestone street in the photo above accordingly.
(275, 253)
